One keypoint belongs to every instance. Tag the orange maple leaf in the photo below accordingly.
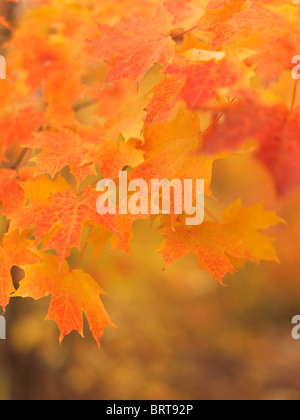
(14, 251)
(54, 154)
(165, 98)
(19, 127)
(203, 79)
(185, 12)
(73, 293)
(133, 45)
(195, 82)
(246, 23)
(114, 157)
(62, 218)
(215, 243)
(172, 152)
(11, 193)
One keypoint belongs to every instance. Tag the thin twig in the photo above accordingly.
(185, 32)
(91, 186)
(211, 215)
(6, 229)
(20, 159)
(83, 250)
(218, 118)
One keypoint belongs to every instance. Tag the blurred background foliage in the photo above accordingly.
(180, 334)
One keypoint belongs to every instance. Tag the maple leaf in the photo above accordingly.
(165, 98)
(62, 219)
(125, 225)
(41, 188)
(214, 243)
(224, 14)
(203, 79)
(273, 56)
(247, 223)
(11, 193)
(245, 24)
(133, 45)
(195, 82)
(50, 65)
(15, 250)
(217, 22)
(19, 127)
(117, 99)
(54, 156)
(172, 152)
(185, 12)
(114, 157)
(272, 125)
(86, 153)
(73, 293)
(40, 63)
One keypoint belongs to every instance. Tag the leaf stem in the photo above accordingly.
(185, 32)
(83, 250)
(91, 186)
(6, 226)
(20, 159)
(211, 215)
(230, 101)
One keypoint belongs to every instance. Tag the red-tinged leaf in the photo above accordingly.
(273, 126)
(185, 12)
(133, 45)
(114, 157)
(203, 79)
(165, 98)
(55, 155)
(245, 23)
(171, 152)
(19, 127)
(11, 193)
(73, 293)
(62, 219)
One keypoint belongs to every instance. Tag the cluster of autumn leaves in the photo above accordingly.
(163, 89)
